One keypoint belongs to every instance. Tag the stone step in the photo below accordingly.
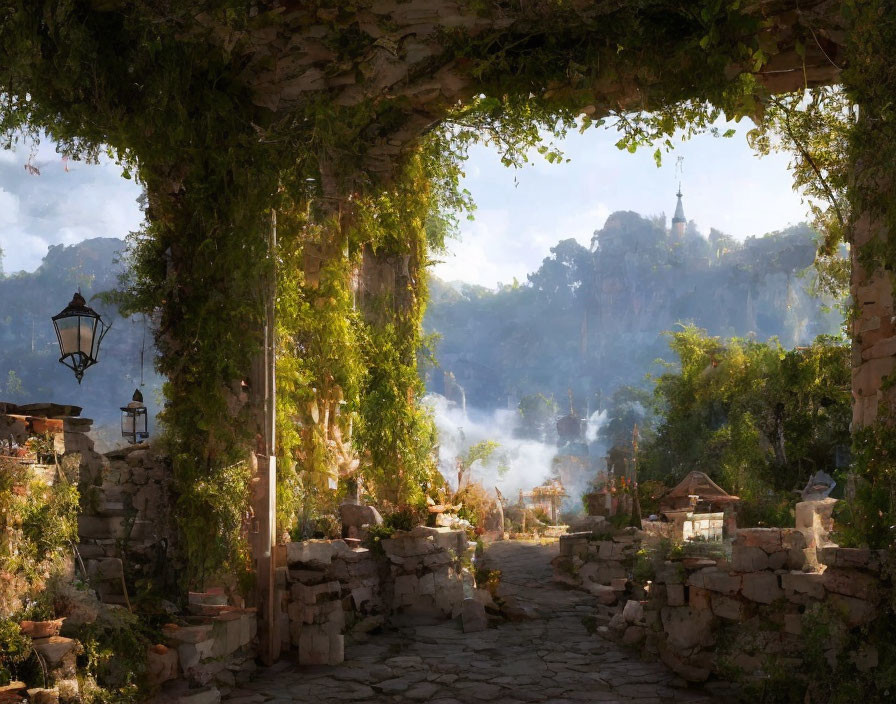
(54, 648)
(212, 597)
(114, 508)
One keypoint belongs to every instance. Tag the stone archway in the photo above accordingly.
(217, 106)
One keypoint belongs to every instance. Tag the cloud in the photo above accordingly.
(59, 206)
(522, 213)
(725, 186)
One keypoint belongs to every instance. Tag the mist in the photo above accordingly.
(519, 464)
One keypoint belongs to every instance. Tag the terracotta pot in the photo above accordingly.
(41, 629)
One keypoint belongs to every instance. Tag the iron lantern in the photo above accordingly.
(80, 330)
(134, 420)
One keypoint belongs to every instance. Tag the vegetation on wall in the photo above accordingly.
(170, 98)
(38, 527)
(38, 533)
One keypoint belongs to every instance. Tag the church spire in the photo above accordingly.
(679, 221)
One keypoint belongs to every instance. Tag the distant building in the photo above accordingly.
(547, 497)
(679, 221)
(698, 508)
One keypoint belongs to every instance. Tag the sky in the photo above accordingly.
(521, 213)
(59, 206)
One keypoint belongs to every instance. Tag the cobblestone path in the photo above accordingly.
(552, 658)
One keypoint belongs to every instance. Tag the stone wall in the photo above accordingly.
(730, 612)
(328, 590)
(125, 526)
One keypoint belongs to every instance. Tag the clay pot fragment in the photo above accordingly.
(41, 629)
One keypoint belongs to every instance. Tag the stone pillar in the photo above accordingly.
(870, 83)
(873, 329)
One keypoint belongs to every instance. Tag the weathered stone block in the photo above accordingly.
(161, 664)
(761, 587)
(314, 645)
(802, 584)
(445, 538)
(856, 612)
(687, 628)
(698, 599)
(851, 583)
(97, 527)
(634, 635)
(793, 624)
(727, 607)
(187, 634)
(769, 539)
(206, 695)
(608, 571)
(713, 579)
(355, 517)
(855, 558)
(779, 560)
(40, 695)
(633, 611)
(605, 595)
(675, 594)
(54, 649)
(747, 558)
(407, 587)
(574, 545)
(319, 552)
(473, 616)
(315, 593)
(362, 595)
(671, 573)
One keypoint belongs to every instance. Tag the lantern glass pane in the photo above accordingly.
(127, 423)
(68, 335)
(140, 422)
(88, 325)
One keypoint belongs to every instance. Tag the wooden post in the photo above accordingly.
(266, 506)
(636, 500)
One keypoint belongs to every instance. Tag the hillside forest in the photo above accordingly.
(725, 354)
(740, 394)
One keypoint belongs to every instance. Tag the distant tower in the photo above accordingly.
(679, 221)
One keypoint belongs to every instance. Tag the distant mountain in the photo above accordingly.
(591, 320)
(29, 368)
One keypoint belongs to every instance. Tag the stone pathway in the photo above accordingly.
(552, 658)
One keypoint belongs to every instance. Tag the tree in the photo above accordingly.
(480, 452)
(14, 387)
(538, 414)
(813, 126)
(753, 416)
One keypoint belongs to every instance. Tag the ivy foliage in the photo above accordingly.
(813, 127)
(163, 89)
(869, 515)
(38, 526)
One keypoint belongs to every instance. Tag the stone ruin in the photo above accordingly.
(327, 590)
(674, 606)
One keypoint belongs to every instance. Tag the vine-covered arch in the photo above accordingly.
(350, 120)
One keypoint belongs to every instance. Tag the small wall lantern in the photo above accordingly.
(134, 420)
(80, 330)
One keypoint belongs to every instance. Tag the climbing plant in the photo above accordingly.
(165, 90)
